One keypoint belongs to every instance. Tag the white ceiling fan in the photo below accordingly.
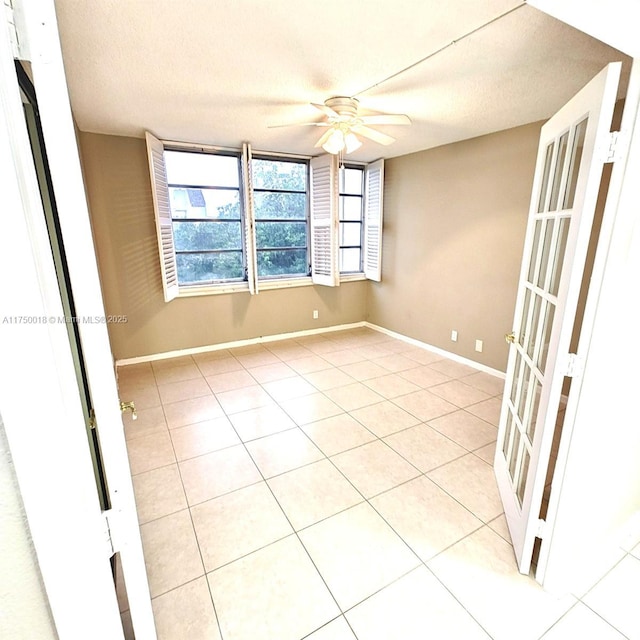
(343, 123)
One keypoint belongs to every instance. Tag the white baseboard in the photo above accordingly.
(309, 332)
(236, 343)
(441, 352)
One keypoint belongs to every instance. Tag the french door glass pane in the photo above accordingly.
(513, 458)
(533, 328)
(525, 313)
(517, 373)
(546, 336)
(546, 253)
(533, 414)
(522, 478)
(558, 259)
(574, 167)
(524, 393)
(507, 435)
(534, 250)
(557, 175)
(545, 178)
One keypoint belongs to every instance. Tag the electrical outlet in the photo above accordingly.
(479, 345)
(315, 314)
(454, 335)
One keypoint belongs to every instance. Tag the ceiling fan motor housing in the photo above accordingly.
(345, 107)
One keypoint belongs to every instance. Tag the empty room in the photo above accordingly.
(316, 333)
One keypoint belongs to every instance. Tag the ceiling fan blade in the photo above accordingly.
(299, 124)
(328, 111)
(372, 134)
(324, 137)
(388, 118)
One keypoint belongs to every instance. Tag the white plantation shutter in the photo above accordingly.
(324, 221)
(249, 219)
(164, 225)
(374, 182)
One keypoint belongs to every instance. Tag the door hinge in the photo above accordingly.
(574, 366)
(112, 524)
(541, 528)
(612, 152)
(106, 529)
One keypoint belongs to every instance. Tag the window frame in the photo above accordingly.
(237, 154)
(250, 280)
(307, 221)
(361, 166)
(372, 216)
(325, 206)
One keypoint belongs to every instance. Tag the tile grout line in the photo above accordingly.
(571, 608)
(294, 531)
(326, 457)
(421, 562)
(368, 500)
(195, 535)
(364, 499)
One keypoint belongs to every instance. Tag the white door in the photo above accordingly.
(61, 192)
(573, 147)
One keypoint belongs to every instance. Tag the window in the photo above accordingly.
(351, 211)
(204, 193)
(204, 197)
(346, 220)
(227, 221)
(280, 205)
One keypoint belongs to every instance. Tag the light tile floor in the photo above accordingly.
(337, 487)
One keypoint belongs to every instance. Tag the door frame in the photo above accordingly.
(72, 537)
(38, 388)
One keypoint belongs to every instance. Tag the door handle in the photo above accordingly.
(510, 337)
(129, 406)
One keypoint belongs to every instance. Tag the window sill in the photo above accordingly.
(265, 285)
(352, 277)
(212, 289)
(284, 283)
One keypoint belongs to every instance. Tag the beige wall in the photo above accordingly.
(454, 225)
(119, 191)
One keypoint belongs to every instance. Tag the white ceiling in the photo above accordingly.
(221, 71)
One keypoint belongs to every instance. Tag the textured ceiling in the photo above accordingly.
(221, 71)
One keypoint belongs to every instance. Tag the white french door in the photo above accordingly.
(573, 147)
(51, 183)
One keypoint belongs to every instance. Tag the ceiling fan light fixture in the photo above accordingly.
(336, 142)
(351, 142)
